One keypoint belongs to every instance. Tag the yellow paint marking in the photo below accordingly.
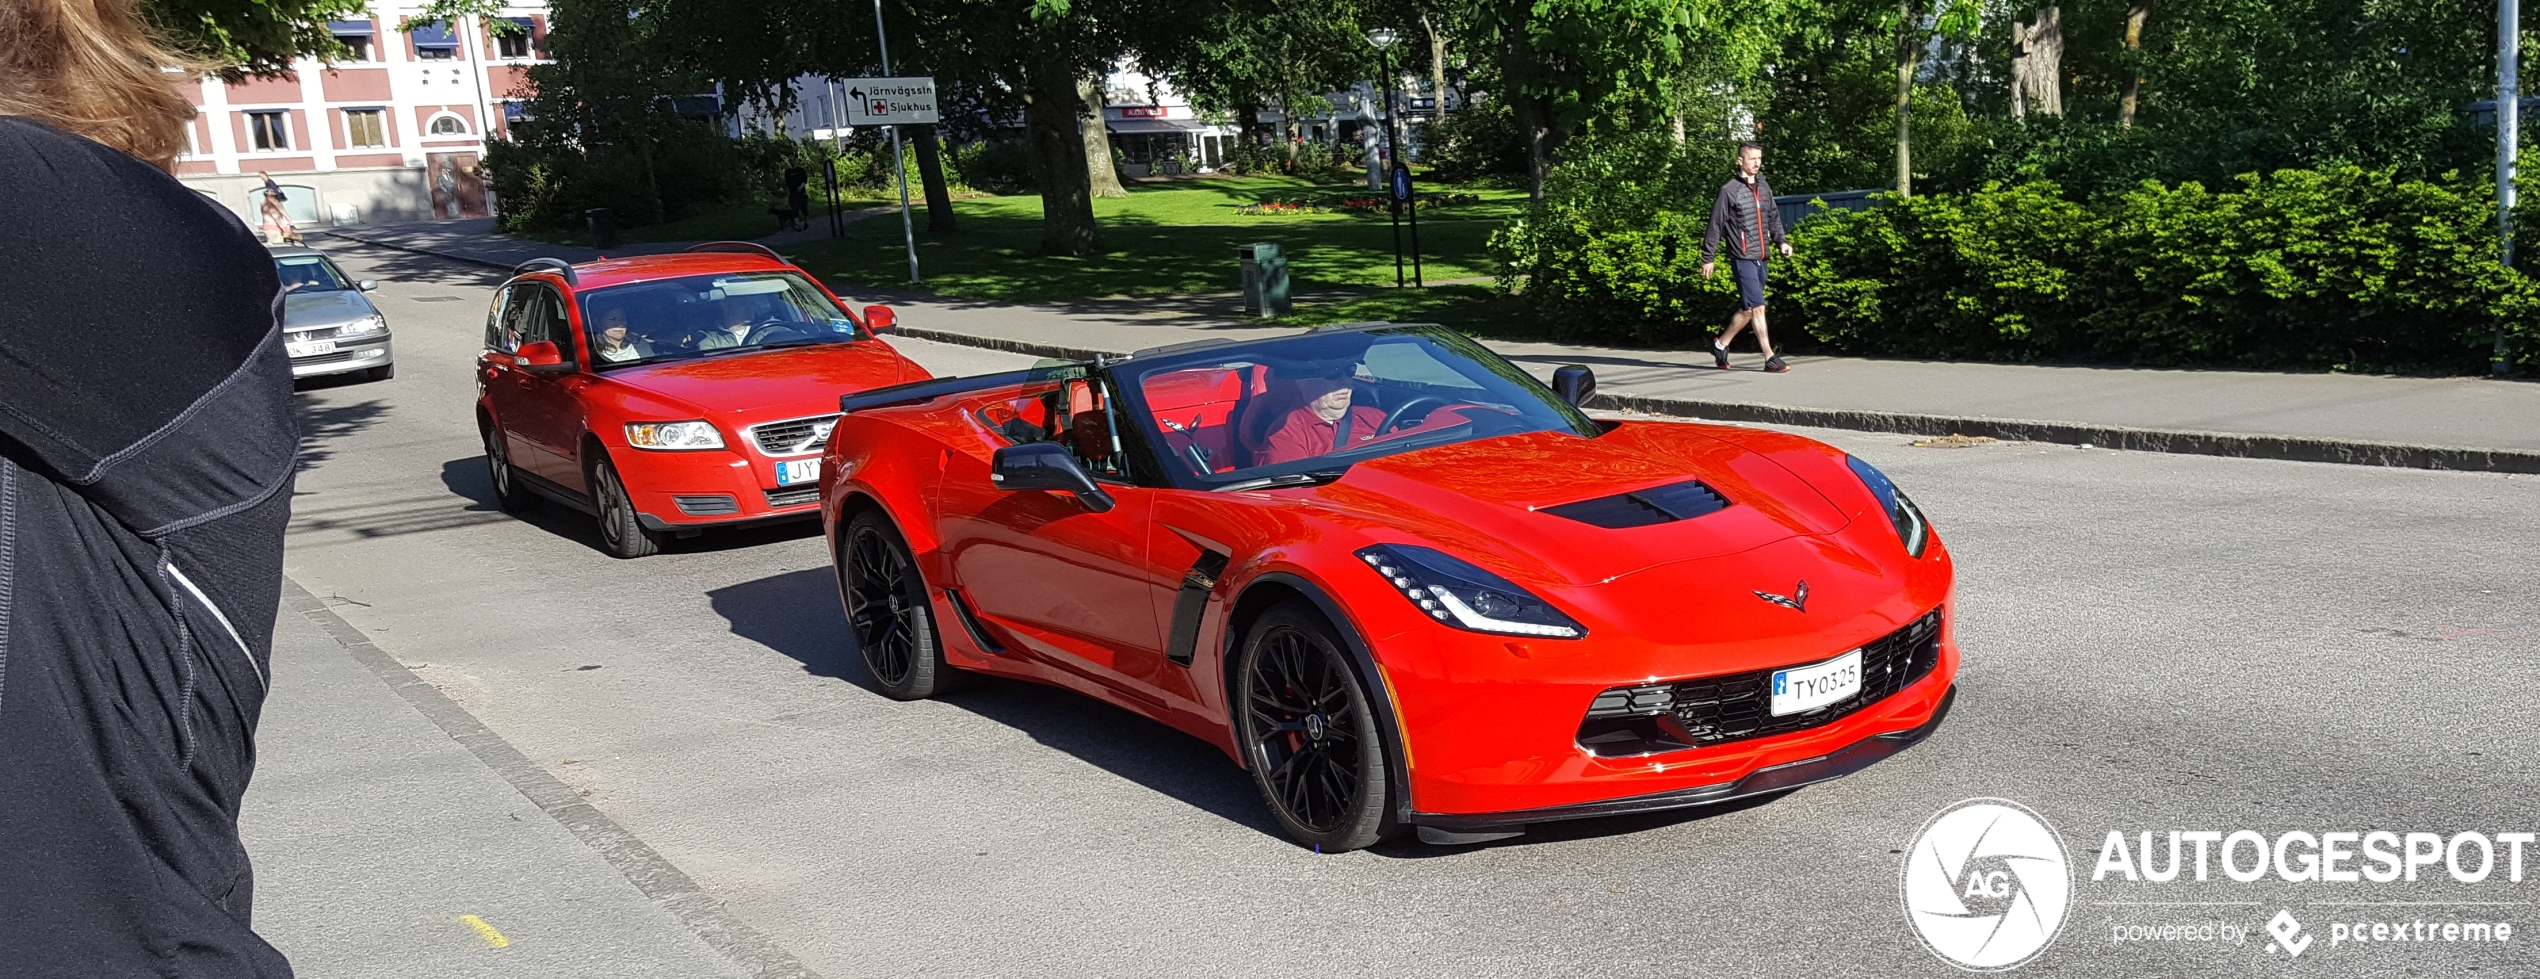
(492, 937)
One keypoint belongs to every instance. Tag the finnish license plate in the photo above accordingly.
(309, 348)
(1806, 688)
(797, 471)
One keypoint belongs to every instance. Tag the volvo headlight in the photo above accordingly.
(1456, 593)
(1901, 512)
(673, 435)
(374, 323)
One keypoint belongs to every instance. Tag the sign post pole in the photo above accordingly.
(899, 161)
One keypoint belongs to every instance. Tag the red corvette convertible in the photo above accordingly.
(1397, 578)
(669, 393)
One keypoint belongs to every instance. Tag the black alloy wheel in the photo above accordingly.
(887, 610)
(509, 495)
(623, 534)
(1309, 734)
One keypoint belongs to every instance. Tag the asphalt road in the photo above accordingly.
(2153, 642)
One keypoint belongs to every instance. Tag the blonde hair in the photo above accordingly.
(94, 68)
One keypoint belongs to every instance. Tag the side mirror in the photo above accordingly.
(1575, 384)
(1046, 466)
(880, 318)
(368, 285)
(541, 356)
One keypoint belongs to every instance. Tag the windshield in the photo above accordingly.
(1314, 404)
(309, 273)
(708, 316)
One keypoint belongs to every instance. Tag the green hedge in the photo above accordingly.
(2340, 268)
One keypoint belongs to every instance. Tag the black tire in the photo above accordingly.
(620, 533)
(509, 495)
(1309, 734)
(887, 610)
(382, 373)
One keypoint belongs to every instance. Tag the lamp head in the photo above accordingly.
(1383, 38)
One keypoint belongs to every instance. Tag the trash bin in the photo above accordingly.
(602, 227)
(1265, 279)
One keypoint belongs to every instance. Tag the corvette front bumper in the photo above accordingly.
(1778, 778)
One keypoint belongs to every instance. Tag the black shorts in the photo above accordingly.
(1750, 281)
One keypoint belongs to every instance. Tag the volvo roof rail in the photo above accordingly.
(558, 265)
(737, 246)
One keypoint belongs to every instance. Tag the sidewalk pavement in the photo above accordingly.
(2436, 423)
(394, 836)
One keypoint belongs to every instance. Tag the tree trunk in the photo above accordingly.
(930, 171)
(1105, 180)
(2135, 14)
(1050, 112)
(1908, 57)
(1533, 122)
(1437, 63)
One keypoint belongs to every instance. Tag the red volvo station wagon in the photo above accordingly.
(665, 394)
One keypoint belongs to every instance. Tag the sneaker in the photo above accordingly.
(1775, 366)
(1719, 357)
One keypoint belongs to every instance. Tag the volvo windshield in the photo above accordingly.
(709, 316)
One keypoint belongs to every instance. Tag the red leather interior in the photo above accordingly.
(1088, 424)
(1196, 409)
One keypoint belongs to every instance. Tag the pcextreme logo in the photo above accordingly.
(1986, 884)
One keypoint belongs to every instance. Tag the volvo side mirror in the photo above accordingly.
(880, 318)
(1046, 466)
(541, 357)
(1575, 384)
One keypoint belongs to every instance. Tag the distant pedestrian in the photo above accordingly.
(1746, 216)
(143, 497)
(277, 222)
(798, 195)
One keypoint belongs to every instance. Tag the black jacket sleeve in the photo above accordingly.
(1772, 212)
(1722, 213)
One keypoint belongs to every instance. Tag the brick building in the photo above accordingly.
(393, 133)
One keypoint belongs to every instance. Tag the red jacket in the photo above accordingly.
(1304, 434)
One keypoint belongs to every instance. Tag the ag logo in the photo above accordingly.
(1986, 884)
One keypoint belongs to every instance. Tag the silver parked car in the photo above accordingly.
(327, 324)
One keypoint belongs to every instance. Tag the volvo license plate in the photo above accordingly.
(797, 471)
(1806, 688)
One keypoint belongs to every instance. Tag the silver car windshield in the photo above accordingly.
(310, 273)
(708, 316)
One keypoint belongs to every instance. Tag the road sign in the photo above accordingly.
(890, 101)
(1401, 182)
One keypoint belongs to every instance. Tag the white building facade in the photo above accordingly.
(395, 133)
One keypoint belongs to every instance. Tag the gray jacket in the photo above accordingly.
(1746, 215)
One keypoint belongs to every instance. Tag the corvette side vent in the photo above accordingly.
(1657, 504)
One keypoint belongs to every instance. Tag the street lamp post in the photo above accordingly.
(2508, 143)
(1398, 177)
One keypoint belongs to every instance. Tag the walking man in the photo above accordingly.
(1746, 215)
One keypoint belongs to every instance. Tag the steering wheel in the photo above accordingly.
(1402, 412)
(768, 328)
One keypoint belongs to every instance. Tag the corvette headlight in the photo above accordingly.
(673, 435)
(1456, 593)
(1901, 512)
(365, 326)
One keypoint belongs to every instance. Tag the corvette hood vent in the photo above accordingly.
(1655, 505)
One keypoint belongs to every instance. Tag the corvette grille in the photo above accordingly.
(1655, 505)
(1716, 710)
(793, 437)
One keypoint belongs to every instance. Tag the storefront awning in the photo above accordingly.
(351, 27)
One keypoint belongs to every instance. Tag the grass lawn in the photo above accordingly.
(1176, 238)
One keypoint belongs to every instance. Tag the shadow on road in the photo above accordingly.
(797, 614)
(322, 425)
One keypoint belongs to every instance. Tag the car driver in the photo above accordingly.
(1325, 422)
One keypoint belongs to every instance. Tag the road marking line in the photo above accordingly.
(492, 937)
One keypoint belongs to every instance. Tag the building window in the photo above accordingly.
(448, 125)
(268, 131)
(515, 44)
(435, 41)
(367, 127)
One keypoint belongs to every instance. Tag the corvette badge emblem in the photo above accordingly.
(1796, 601)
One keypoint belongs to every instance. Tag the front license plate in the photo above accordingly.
(1805, 688)
(309, 348)
(797, 471)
